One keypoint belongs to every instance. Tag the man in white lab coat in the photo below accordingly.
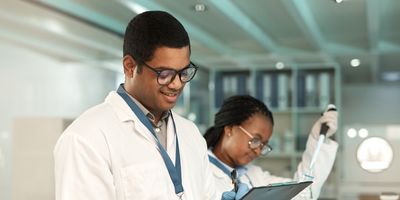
(132, 146)
(242, 128)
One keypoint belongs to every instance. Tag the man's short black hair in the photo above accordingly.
(150, 30)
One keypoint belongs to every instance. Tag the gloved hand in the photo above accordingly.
(330, 118)
(232, 195)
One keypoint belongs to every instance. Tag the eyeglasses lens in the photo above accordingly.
(187, 74)
(166, 76)
(256, 143)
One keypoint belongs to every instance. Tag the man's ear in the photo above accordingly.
(129, 65)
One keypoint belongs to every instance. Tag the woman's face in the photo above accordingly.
(234, 148)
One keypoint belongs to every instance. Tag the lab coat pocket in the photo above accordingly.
(144, 180)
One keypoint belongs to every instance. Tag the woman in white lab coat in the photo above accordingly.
(241, 131)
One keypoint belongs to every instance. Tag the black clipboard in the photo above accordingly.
(280, 191)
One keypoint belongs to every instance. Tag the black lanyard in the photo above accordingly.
(174, 171)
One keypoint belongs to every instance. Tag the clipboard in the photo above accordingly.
(279, 191)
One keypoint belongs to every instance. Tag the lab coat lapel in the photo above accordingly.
(126, 115)
(217, 171)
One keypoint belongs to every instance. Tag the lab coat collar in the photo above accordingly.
(217, 171)
(125, 114)
(120, 107)
(241, 170)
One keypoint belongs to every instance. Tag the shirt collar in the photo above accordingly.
(240, 170)
(146, 112)
(213, 155)
(150, 115)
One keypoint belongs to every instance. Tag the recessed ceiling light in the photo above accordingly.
(363, 133)
(352, 133)
(355, 62)
(200, 7)
(338, 1)
(279, 65)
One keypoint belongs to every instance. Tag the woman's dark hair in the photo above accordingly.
(234, 111)
(150, 30)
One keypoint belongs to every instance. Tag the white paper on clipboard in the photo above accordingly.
(284, 191)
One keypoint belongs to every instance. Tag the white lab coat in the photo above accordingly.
(108, 154)
(258, 177)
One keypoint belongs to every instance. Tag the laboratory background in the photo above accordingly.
(60, 57)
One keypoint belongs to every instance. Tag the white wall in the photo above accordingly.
(35, 85)
(371, 104)
(370, 107)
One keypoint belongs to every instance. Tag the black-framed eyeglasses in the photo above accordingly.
(255, 142)
(165, 75)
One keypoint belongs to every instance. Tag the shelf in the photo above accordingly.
(283, 155)
(308, 110)
(288, 111)
(305, 110)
